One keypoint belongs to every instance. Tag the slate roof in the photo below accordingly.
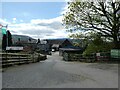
(55, 45)
(57, 41)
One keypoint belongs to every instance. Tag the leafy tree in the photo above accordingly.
(80, 39)
(38, 41)
(100, 16)
(19, 43)
(6, 39)
(98, 45)
(9, 38)
(93, 42)
(86, 38)
(4, 42)
(29, 40)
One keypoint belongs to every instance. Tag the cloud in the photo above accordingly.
(39, 28)
(21, 20)
(65, 8)
(29, 28)
(4, 22)
(55, 23)
(14, 20)
(47, 21)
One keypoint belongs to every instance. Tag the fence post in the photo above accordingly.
(19, 59)
(27, 58)
(6, 59)
(33, 57)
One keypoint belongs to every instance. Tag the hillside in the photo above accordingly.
(60, 40)
(22, 38)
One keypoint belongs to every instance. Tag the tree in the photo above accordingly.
(81, 39)
(100, 16)
(92, 42)
(19, 43)
(97, 45)
(86, 38)
(38, 41)
(4, 42)
(9, 39)
(29, 40)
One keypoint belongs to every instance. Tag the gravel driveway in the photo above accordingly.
(56, 73)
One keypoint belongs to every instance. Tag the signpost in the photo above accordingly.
(115, 53)
(14, 48)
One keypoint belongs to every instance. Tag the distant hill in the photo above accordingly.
(61, 40)
(58, 39)
(22, 38)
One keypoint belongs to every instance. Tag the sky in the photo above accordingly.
(36, 19)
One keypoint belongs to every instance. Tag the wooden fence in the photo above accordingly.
(103, 56)
(8, 59)
(78, 57)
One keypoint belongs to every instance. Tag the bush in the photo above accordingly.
(93, 48)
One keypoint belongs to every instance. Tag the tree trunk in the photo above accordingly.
(4, 42)
(116, 43)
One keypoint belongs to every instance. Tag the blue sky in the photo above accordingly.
(31, 10)
(36, 19)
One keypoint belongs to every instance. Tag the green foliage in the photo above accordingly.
(76, 35)
(98, 45)
(95, 42)
(4, 42)
(86, 38)
(9, 38)
(80, 39)
(76, 44)
(100, 16)
(0, 44)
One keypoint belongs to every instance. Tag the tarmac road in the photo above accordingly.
(56, 73)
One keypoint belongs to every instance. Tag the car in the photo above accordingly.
(53, 50)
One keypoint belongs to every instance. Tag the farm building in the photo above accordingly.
(59, 43)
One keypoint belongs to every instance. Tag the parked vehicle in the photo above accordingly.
(53, 50)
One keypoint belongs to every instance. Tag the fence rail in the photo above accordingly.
(78, 57)
(102, 57)
(8, 59)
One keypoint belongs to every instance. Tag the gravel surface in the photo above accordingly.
(56, 73)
